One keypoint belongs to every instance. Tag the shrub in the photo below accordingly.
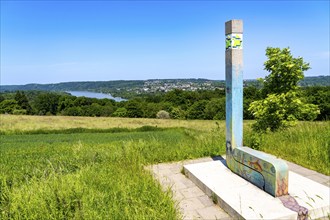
(279, 111)
(163, 114)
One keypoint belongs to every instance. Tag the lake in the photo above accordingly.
(95, 95)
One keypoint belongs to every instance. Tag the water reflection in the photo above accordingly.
(95, 95)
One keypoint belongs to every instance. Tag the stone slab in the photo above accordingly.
(242, 199)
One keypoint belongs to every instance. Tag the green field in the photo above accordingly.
(93, 168)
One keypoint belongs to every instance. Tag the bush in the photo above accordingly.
(177, 113)
(279, 111)
(8, 106)
(163, 115)
(120, 112)
(19, 112)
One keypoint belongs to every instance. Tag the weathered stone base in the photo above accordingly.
(244, 200)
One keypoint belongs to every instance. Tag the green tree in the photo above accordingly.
(250, 94)
(2, 98)
(281, 110)
(281, 107)
(9, 106)
(107, 110)
(65, 102)
(23, 101)
(46, 103)
(150, 109)
(91, 110)
(177, 113)
(216, 109)
(196, 111)
(81, 101)
(72, 111)
(120, 112)
(319, 95)
(285, 71)
(134, 109)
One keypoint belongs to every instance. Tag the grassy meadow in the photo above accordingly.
(55, 167)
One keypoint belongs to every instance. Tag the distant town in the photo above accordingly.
(153, 86)
(131, 88)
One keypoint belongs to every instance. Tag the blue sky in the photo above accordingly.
(61, 41)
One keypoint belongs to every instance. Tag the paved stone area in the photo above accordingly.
(192, 201)
(310, 174)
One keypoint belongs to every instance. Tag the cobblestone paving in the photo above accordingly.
(192, 201)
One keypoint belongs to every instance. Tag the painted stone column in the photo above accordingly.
(263, 170)
(234, 85)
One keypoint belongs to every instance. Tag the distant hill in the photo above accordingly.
(124, 88)
(76, 86)
(315, 81)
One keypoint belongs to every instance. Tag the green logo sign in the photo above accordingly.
(234, 41)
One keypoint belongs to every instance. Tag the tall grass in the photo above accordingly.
(92, 168)
(93, 175)
(307, 144)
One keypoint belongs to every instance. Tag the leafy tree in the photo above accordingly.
(46, 103)
(166, 106)
(176, 97)
(81, 101)
(196, 111)
(120, 112)
(107, 110)
(150, 109)
(9, 106)
(134, 109)
(216, 109)
(65, 102)
(319, 95)
(23, 101)
(72, 111)
(177, 113)
(281, 110)
(92, 110)
(250, 94)
(281, 107)
(285, 71)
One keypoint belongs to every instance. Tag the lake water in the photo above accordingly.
(95, 95)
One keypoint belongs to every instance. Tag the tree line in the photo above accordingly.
(179, 104)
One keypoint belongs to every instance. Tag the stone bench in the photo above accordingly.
(263, 170)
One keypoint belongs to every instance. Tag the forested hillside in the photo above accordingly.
(176, 104)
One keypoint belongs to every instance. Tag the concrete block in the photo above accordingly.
(242, 199)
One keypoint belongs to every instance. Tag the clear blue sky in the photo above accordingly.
(61, 41)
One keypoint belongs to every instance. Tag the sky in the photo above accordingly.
(64, 41)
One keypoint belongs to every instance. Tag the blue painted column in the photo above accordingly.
(234, 85)
(263, 170)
